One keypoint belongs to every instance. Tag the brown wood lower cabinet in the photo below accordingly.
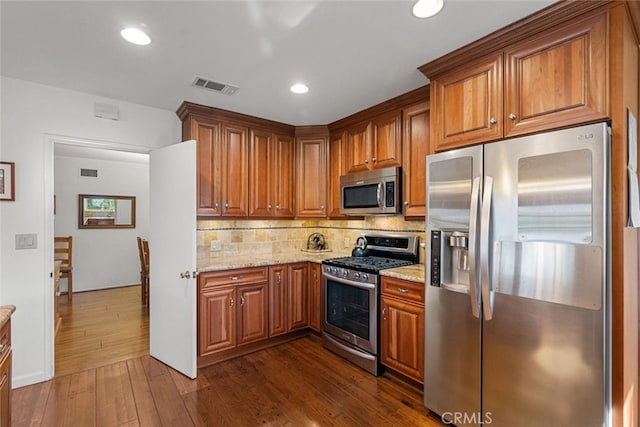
(5, 374)
(247, 309)
(233, 307)
(402, 327)
(288, 298)
(315, 296)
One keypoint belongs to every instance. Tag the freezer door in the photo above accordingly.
(544, 282)
(452, 326)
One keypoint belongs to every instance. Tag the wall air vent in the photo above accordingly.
(215, 86)
(92, 173)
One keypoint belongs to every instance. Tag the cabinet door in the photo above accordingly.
(559, 79)
(207, 134)
(282, 176)
(387, 141)
(337, 168)
(311, 182)
(297, 296)
(402, 337)
(468, 105)
(261, 164)
(5, 390)
(235, 176)
(217, 320)
(416, 148)
(359, 147)
(277, 300)
(315, 300)
(252, 313)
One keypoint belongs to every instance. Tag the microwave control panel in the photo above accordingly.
(390, 194)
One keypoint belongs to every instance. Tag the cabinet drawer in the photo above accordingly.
(233, 277)
(411, 291)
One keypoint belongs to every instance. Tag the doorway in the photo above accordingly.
(106, 321)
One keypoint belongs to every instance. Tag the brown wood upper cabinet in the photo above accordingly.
(375, 144)
(221, 168)
(311, 176)
(541, 83)
(271, 165)
(415, 150)
(337, 168)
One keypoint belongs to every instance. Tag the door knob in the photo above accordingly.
(185, 275)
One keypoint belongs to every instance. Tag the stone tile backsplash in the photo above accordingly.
(265, 238)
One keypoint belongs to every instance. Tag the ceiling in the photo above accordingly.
(352, 54)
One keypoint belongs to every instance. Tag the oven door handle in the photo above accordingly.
(351, 283)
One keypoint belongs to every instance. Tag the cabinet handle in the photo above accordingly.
(512, 116)
(321, 207)
(366, 161)
(269, 207)
(2, 347)
(374, 160)
(278, 207)
(231, 302)
(384, 313)
(406, 203)
(403, 290)
(278, 279)
(493, 120)
(236, 277)
(215, 206)
(241, 300)
(226, 206)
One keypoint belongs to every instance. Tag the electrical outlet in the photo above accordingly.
(216, 245)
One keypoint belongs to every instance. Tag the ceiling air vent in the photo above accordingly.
(215, 86)
(93, 173)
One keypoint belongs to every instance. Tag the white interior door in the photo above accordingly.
(172, 248)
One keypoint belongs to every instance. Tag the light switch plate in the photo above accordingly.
(26, 241)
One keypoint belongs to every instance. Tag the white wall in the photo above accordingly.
(102, 258)
(28, 112)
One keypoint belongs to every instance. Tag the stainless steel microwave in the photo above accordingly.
(372, 192)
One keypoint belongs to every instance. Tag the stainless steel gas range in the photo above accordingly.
(351, 289)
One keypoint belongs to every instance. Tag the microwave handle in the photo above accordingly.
(379, 194)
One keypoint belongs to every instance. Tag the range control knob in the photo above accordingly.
(356, 275)
(365, 276)
(345, 273)
(334, 270)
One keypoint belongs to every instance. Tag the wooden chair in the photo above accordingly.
(143, 250)
(63, 251)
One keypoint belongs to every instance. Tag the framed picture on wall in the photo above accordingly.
(7, 181)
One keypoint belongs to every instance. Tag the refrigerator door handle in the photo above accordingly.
(485, 246)
(473, 232)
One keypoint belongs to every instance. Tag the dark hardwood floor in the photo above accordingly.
(105, 377)
(294, 384)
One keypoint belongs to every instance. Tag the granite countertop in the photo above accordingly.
(230, 262)
(413, 273)
(5, 313)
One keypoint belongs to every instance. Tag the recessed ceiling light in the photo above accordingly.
(299, 88)
(135, 36)
(427, 8)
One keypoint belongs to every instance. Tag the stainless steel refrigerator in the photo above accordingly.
(517, 329)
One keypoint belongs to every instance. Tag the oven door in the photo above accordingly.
(350, 312)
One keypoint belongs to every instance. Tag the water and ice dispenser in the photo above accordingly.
(449, 258)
